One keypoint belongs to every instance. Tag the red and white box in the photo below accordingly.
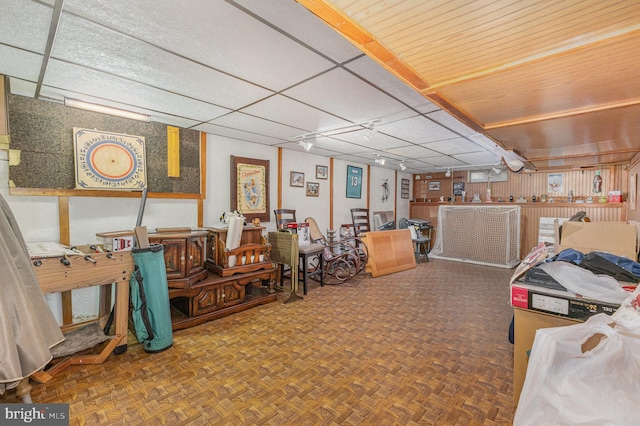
(615, 197)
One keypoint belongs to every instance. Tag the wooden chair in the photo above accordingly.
(360, 219)
(284, 216)
(306, 252)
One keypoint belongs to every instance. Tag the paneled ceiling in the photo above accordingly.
(445, 83)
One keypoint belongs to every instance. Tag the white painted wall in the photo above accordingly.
(38, 216)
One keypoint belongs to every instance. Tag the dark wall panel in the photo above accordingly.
(43, 133)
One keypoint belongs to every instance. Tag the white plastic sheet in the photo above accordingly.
(567, 384)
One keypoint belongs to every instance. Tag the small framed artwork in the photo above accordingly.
(313, 189)
(434, 185)
(404, 188)
(297, 179)
(458, 188)
(322, 172)
(354, 182)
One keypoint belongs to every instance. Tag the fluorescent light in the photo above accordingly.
(75, 103)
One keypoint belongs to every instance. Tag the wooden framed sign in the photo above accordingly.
(105, 160)
(250, 187)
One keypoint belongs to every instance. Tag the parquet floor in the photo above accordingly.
(426, 346)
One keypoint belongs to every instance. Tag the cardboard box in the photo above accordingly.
(559, 303)
(116, 240)
(613, 237)
(615, 197)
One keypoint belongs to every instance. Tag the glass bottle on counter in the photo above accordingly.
(570, 197)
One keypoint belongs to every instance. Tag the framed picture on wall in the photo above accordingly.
(313, 189)
(354, 182)
(458, 187)
(322, 172)
(250, 187)
(434, 185)
(297, 179)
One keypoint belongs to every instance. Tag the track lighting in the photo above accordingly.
(402, 166)
(75, 103)
(370, 133)
(448, 173)
(380, 161)
(348, 128)
(306, 145)
(496, 170)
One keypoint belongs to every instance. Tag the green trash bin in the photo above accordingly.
(151, 312)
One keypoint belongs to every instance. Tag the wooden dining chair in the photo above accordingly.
(284, 216)
(360, 219)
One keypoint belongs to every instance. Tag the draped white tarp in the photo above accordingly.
(28, 328)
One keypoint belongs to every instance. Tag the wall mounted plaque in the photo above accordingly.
(105, 160)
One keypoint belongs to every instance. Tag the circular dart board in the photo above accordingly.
(106, 160)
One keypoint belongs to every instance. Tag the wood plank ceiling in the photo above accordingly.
(555, 81)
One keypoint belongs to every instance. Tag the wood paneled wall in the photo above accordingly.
(614, 178)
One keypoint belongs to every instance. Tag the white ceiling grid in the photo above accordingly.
(260, 71)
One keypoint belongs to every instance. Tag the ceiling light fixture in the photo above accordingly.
(75, 103)
(306, 145)
(369, 125)
(448, 173)
(402, 166)
(370, 132)
(380, 161)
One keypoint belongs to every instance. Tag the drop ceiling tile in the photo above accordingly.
(236, 134)
(81, 42)
(353, 159)
(453, 146)
(20, 63)
(413, 151)
(238, 120)
(340, 93)
(25, 24)
(99, 85)
(444, 161)
(287, 111)
(214, 33)
(338, 146)
(370, 70)
(480, 158)
(22, 87)
(451, 123)
(417, 129)
(296, 20)
(315, 149)
(378, 142)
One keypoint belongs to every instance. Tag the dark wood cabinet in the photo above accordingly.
(216, 296)
(184, 254)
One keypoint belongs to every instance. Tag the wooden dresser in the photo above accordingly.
(203, 284)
